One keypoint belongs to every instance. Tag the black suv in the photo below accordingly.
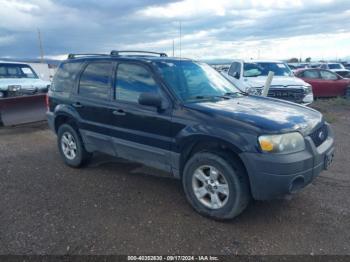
(183, 117)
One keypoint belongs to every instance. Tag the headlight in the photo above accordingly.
(285, 143)
(14, 88)
(308, 89)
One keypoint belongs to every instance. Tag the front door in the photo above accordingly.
(142, 133)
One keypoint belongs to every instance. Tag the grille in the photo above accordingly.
(295, 95)
(320, 135)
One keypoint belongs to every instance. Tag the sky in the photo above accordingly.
(212, 29)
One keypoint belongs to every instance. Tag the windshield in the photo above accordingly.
(16, 71)
(263, 68)
(335, 66)
(195, 81)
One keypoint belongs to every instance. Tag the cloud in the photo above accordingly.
(220, 28)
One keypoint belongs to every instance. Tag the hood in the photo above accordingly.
(280, 81)
(23, 82)
(267, 114)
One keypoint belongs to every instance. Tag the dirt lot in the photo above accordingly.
(116, 207)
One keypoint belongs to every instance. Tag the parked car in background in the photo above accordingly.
(250, 76)
(295, 66)
(344, 74)
(337, 68)
(314, 65)
(325, 83)
(20, 79)
(221, 68)
(185, 118)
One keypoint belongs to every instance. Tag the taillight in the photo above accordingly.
(47, 102)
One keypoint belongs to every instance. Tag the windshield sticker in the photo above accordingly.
(281, 65)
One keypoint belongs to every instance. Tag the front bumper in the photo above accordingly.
(272, 176)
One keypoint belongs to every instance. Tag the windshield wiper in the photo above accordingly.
(230, 94)
(201, 97)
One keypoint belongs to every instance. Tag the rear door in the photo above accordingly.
(92, 102)
(142, 133)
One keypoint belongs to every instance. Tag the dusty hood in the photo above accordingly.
(267, 114)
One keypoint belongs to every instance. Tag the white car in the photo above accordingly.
(20, 79)
(336, 68)
(250, 76)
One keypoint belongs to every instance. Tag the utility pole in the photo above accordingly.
(173, 48)
(41, 47)
(180, 39)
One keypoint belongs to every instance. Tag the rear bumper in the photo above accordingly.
(51, 120)
(272, 176)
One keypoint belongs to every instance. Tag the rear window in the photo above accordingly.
(65, 77)
(335, 66)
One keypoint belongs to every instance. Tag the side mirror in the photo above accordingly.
(150, 99)
(236, 75)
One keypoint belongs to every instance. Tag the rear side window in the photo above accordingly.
(132, 80)
(326, 75)
(95, 81)
(65, 77)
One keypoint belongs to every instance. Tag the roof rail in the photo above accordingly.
(72, 56)
(117, 53)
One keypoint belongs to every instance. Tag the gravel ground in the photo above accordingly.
(117, 207)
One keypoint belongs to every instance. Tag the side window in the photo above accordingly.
(326, 75)
(65, 77)
(95, 81)
(132, 80)
(311, 74)
(233, 69)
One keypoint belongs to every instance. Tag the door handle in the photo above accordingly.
(119, 112)
(77, 104)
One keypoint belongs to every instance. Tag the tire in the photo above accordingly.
(232, 176)
(81, 156)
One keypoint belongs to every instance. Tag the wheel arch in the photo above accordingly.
(65, 114)
(198, 143)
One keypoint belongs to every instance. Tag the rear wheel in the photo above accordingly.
(216, 185)
(71, 146)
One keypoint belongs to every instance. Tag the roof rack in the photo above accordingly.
(72, 56)
(117, 53)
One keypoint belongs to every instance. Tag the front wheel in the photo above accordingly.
(216, 185)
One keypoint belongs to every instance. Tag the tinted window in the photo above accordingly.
(132, 80)
(328, 75)
(233, 69)
(65, 77)
(311, 74)
(96, 80)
